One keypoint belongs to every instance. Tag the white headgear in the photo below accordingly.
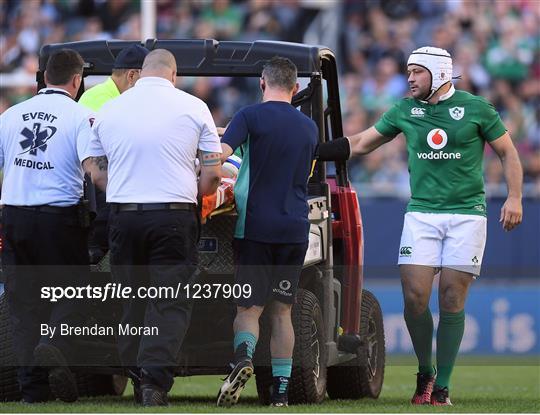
(437, 61)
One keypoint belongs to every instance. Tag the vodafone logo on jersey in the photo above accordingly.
(437, 140)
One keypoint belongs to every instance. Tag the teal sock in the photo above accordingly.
(421, 331)
(282, 367)
(247, 338)
(449, 335)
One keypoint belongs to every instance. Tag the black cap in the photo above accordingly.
(131, 57)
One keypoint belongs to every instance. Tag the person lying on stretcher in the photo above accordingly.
(223, 199)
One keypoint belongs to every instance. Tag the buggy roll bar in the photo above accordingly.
(199, 57)
(209, 57)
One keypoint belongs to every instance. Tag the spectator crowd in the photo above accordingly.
(495, 46)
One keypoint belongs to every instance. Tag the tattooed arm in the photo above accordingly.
(96, 168)
(210, 172)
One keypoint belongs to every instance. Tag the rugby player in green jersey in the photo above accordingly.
(445, 224)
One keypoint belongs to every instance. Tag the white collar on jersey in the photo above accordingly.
(443, 97)
(54, 89)
(450, 92)
(154, 80)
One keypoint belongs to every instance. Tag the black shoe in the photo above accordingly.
(33, 384)
(234, 384)
(439, 397)
(280, 392)
(153, 396)
(61, 380)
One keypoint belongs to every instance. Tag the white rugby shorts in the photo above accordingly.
(446, 240)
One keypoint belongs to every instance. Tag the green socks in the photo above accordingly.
(449, 335)
(281, 367)
(421, 331)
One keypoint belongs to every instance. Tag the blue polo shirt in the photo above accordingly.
(278, 144)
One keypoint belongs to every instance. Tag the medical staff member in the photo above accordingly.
(126, 71)
(150, 136)
(42, 143)
(272, 228)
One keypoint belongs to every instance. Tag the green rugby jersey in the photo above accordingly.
(445, 144)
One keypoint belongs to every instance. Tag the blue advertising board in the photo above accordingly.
(502, 319)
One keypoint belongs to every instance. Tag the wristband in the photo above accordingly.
(338, 149)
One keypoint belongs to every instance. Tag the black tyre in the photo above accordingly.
(90, 384)
(308, 378)
(9, 388)
(363, 376)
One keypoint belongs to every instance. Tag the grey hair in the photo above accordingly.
(280, 73)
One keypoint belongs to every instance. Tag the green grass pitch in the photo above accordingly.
(486, 388)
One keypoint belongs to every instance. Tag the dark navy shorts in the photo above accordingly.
(272, 270)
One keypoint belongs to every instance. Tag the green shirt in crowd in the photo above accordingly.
(95, 97)
(445, 144)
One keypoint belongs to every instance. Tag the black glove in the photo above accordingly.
(338, 149)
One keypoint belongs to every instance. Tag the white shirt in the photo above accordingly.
(150, 135)
(42, 143)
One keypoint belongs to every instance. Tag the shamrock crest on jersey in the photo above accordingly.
(457, 113)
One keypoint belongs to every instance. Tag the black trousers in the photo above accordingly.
(41, 249)
(154, 249)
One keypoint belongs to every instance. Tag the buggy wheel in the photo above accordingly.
(362, 376)
(9, 387)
